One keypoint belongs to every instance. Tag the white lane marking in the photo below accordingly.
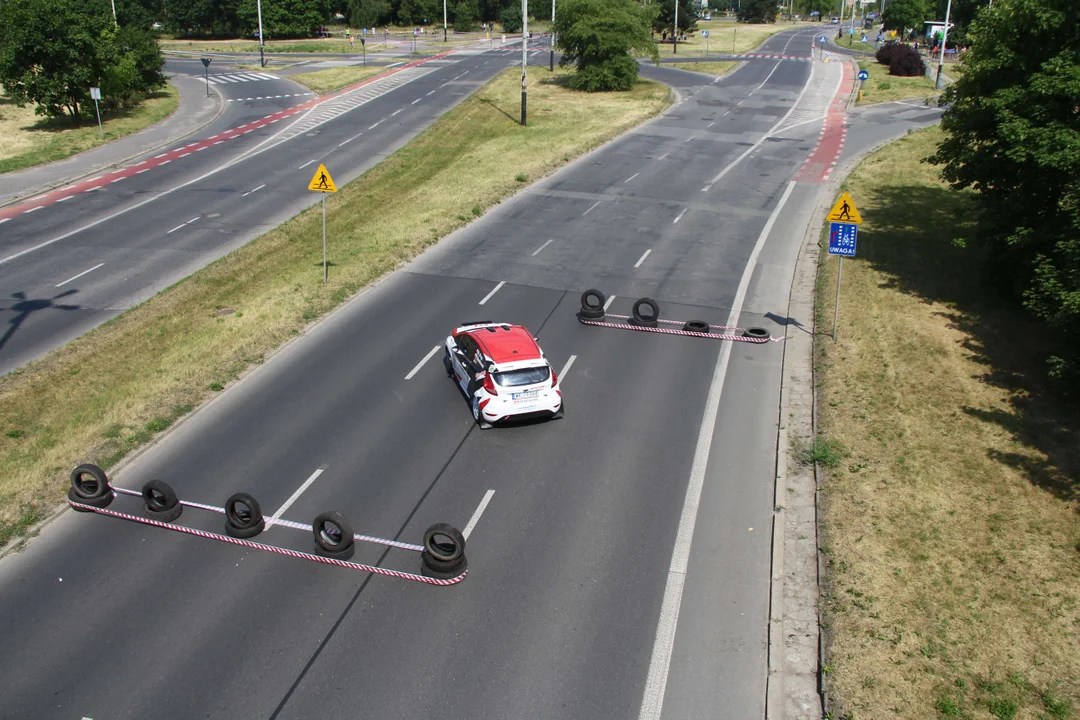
(96, 187)
(65, 199)
(186, 154)
(769, 75)
(537, 250)
(710, 125)
(346, 142)
(84, 272)
(476, 515)
(33, 209)
(306, 164)
(416, 101)
(219, 142)
(642, 258)
(140, 172)
(656, 683)
(464, 74)
(662, 156)
(591, 208)
(141, 162)
(251, 191)
(396, 112)
(679, 216)
(4, 220)
(764, 137)
(299, 491)
(689, 138)
(156, 157)
(630, 178)
(176, 228)
(488, 296)
(117, 180)
(164, 162)
(375, 125)
(421, 363)
(566, 368)
(431, 93)
(726, 112)
(609, 301)
(193, 219)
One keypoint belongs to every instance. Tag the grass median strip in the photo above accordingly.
(108, 392)
(950, 529)
(718, 69)
(27, 139)
(330, 79)
(882, 87)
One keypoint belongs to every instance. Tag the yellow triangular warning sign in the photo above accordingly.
(322, 182)
(844, 211)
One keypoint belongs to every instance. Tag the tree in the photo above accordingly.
(900, 15)
(283, 18)
(203, 17)
(83, 48)
(597, 37)
(759, 11)
(665, 19)
(465, 15)
(510, 17)
(1013, 136)
(368, 13)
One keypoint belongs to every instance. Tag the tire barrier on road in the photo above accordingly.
(649, 322)
(243, 516)
(592, 304)
(649, 319)
(90, 486)
(334, 538)
(160, 501)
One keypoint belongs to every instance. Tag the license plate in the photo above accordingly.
(525, 396)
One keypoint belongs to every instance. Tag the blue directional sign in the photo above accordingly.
(863, 74)
(705, 33)
(842, 238)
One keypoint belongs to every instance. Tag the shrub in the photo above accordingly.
(510, 17)
(905, 62)
(884, 53)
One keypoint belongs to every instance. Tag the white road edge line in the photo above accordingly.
(476, 515)
(84, 272)
(769, 75)
(630, 178)
(656, 683)
(567, 366)
(306, 164)
(299, 491)
(488, 296)
(679, 216)
(396, 112)
(663, 156)
(421, 363)
(642, 258)
(176, 228)
(609, 301)
(591, 208)
(416, 101)
(537, 250)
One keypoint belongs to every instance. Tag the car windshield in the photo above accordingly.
(525, 376)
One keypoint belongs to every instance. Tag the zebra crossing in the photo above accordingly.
(240, 78)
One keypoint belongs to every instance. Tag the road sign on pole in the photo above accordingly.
(844, 211)
(95, 95)
(206, 71)
(863, 75)
(323, 183)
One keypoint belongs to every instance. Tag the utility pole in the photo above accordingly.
(524, 54)
(551, 67)
(444, 20)
(114, 14)
(944, 39)
(262, 58)
(675, 37)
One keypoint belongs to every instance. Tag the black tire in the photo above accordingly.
(241, 523)
(474, 406)
(98, 502)
(159, 497)
(165, 516)
(645, 320)
(345, 554)
(592, 310)
(698, 326)
(89, 482)
(327, 538)
(756, 333)
(448, 364)
(432, 568)
(444, 543)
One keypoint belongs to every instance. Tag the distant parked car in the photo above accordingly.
(835, 21)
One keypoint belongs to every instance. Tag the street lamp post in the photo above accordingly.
(944, 39)
(552, 38)
(262, 57)
(444, 20)
(117, 24)
(675, 37)
(524, 54)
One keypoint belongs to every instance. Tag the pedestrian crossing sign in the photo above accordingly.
(322, 182)
(844, 211)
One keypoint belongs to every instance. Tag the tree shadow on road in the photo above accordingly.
(24, 307)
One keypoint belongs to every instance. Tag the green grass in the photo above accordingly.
(724, 37)
(709, 68)
(882, 87)
(106, 393)
(27, 139)
(330, 79)
(950, 533)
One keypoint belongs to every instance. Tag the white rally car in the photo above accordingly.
(503, 373)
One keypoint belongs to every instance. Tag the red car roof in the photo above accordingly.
(506, 343)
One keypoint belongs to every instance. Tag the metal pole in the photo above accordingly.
(524, 53)
(733, 32)
(324, 238)
(675, 37)
(97, 109)
(444, 20)
(117, 24)
(262, 57)
(206, 72)
(836, 309)
(944, 39)
(551, 65)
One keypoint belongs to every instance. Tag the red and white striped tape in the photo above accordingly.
(284, 523)
(714, 336)
(677, 322)
(272, 548)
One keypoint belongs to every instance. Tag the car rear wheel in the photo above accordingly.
(448, 364)
(476, 409)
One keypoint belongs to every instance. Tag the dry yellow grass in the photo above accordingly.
(27, 139)
(107, 392)
(709, 68)
(330, 79)
(950, 530)
(724, 37)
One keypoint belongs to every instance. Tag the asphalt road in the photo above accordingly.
(623, 560)
(125, 232)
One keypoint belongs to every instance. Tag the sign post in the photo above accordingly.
(206, 71)
(95, 94)
(705, 34)
(844, 220)
(363, 46)
(323, 183)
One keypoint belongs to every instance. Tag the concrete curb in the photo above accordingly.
(114, 163)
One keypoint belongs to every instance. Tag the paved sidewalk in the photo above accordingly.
(194, 112)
